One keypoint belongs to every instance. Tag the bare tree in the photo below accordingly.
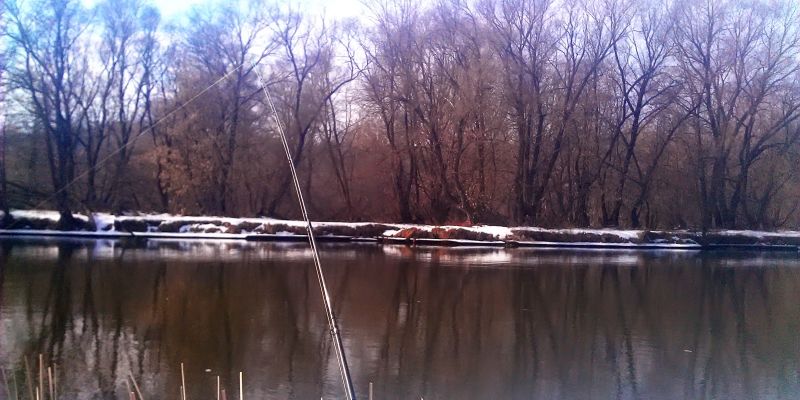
(644, 89)
(48, 36)
(338, 133)
(388, 49)
(5, 55)
(221, 41)
(306, 82)
(153, 77)
(463, 58)
(739, 61)
(128, 39)
(525, 38)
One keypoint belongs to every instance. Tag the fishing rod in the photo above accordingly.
(344, 370)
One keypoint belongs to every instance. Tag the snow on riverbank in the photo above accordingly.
(44, 223)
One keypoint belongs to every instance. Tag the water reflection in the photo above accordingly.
(432, 322)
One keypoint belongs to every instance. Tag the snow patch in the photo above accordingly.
(757, 234)
(103, 222)
(620, 233)
(43, 214)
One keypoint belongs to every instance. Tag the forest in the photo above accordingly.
(557, 113)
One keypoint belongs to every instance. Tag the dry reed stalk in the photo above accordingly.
(55, 381)
(41, 375)
(50, 383)
(135, 386)
(241, 386)
(183, 384)
(128, 386)
(29, 377)
(16, 388)
(5, 382)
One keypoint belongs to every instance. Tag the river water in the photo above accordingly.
(438, 323)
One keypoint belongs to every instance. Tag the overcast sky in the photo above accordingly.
(331, 8)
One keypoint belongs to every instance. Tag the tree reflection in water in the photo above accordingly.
(438, 323)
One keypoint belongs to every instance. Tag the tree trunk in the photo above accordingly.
(4, 203)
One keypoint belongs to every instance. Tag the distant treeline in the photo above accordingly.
(635, 113)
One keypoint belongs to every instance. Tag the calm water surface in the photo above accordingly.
(418, 322)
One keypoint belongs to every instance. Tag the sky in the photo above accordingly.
(331, 8)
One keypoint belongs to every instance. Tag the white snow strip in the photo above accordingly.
(605, 244)
(213, 227)
(190, 235)
(757, 234)
(623, 234)
(48, 232)
(43, 214)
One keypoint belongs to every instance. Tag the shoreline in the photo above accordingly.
(41, 223)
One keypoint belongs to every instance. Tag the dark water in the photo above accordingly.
(424, 322)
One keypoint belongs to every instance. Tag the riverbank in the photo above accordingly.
(103, 225)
